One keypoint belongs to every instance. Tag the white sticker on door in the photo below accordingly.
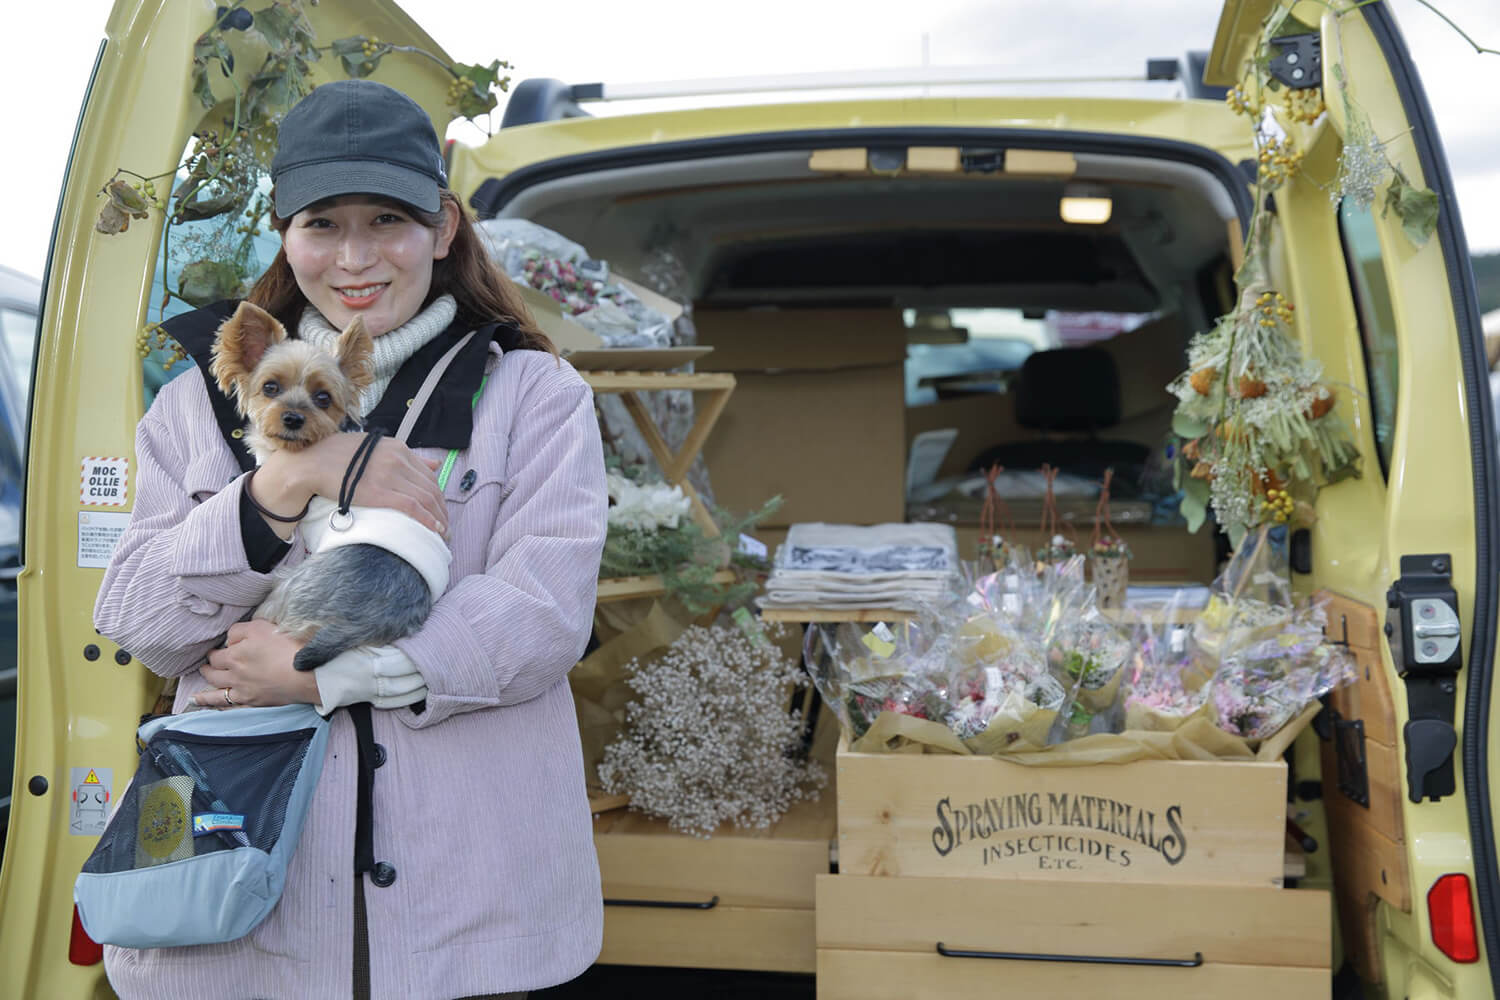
(104, 481)
(98, 533)
(88, 809)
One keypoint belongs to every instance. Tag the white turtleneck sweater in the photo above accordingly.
(392, 349)
(382, 675)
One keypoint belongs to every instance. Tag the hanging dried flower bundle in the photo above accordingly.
(1257, 419)
(1258, 422)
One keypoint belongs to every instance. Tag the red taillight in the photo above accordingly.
(1452, 913)
(82, 949)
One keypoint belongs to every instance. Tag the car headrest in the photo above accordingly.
(1071, 389)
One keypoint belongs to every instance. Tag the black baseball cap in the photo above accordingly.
(356, 137)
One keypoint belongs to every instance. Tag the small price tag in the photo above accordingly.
(753, 547)
(880, 641)
(1179, 639)
(993, 682)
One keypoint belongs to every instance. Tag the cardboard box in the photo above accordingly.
(817, 416)
(1205, 822)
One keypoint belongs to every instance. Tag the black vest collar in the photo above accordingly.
(446, 422)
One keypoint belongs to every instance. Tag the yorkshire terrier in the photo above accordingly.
(293, 395)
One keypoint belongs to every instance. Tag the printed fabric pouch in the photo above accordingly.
(197, 852)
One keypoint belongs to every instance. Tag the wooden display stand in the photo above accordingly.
(715, 389)
(741, 899)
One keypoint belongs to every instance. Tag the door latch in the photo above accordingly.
(1298, 62)
(1426, 640)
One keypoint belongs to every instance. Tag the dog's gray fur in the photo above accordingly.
(353, 595)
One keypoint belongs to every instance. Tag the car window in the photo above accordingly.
(965, 351)
(1377, 325)
(220, 256)
(19, 330)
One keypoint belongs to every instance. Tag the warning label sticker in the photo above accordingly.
(104, 481)
(88, 806)
(98, 533)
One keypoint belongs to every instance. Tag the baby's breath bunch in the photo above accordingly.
(709, 738)
(1363, 166)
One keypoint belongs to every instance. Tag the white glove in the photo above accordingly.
(382, 675)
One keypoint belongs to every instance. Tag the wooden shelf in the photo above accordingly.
(603, 381)
(623, 588)
(674, 465)
(809, 614)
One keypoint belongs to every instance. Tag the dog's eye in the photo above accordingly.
(270, 389)
(322, 400)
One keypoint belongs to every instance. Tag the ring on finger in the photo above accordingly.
(228, 701)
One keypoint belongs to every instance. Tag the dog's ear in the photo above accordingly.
(241, 342)
(355, 351)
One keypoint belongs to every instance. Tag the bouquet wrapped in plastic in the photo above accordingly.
(862, 672)
(1169, 675)
(1252, 598)
(1020, 661)
(1087, 654)
(1262, 684)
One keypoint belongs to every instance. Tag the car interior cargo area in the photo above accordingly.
(900, 320)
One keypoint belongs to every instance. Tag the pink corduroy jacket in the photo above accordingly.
(480, 804)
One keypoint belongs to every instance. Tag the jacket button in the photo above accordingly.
(383, 874)
(379, 755)
(467, 482)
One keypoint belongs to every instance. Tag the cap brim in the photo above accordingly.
(302, 186)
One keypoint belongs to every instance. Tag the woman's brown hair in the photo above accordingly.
(483, 294)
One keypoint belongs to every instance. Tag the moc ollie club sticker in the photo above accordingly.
(103, 482)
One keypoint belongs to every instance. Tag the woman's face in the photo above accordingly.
(362, 256)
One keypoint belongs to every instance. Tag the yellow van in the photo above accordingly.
(834, 254)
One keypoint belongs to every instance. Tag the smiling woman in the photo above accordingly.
(372, 237)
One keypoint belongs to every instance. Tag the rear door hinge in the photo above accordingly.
(1425, 636)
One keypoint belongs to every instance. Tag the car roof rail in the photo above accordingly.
(540, 100)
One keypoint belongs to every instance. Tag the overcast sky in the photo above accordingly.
(46, 50)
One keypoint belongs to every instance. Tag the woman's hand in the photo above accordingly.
(395, 477)
(255, 668)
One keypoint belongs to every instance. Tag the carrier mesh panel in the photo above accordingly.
(215, 778)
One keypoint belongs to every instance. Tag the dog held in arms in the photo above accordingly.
(353, 589)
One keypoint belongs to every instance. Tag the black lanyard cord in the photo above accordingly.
(356, 469)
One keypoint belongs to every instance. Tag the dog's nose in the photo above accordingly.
(292, 420)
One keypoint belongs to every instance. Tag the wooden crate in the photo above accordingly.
(1203, 822)
(880, 937)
